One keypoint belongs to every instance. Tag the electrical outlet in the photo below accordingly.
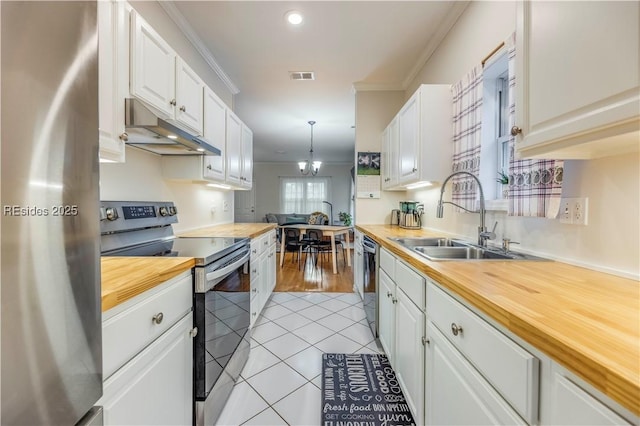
(225, 206)
(566, 211)
(580, 211)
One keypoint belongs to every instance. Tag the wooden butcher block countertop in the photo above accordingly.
(587, 321)
(238, 230)
(127, 277)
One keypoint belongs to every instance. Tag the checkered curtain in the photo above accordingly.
(535, 186)
(467, 129)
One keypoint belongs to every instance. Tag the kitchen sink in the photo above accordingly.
(411, 242)
(442, 248)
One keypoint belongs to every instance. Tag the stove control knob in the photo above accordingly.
(111, 213)
(172, 211)
(163, 211)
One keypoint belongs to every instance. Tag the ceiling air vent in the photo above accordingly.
(301, 75)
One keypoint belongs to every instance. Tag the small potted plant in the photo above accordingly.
(503, 179)
(345, 218)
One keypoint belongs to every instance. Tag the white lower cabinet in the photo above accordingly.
(456, 394)
(401, 320)
(148, 357)
(263, 272)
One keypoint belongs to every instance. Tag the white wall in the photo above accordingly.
(611, 240)
(374, 111)
(267, 186)
(140, 179)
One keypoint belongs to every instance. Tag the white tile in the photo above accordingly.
(313, 332)
(259, 360)
(292, 321)
(338, 344)
(261, 320)
(302, 407)
(315, 312)
(286, 345)
(315, 297)
(276, 382)
(270, 303)
(254, 343)
(350, 298)
(335, 322)
(266, 418)
(334, 305)
(354, 313)
(308, 362)
(297, 304)
(282, 297)
(275, 312)
(265, 332)
(243, 403)
(317, 381)
(359, 333)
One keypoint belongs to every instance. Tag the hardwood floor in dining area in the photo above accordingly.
(311, 277)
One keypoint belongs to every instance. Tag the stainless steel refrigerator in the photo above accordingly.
(51, 356)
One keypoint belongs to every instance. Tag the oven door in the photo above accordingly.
(222, 317)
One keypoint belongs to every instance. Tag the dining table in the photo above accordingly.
(327, 230)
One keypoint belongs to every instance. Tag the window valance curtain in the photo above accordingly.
(535, 186)
(467, 129)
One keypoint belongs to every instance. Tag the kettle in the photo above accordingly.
(395, 217)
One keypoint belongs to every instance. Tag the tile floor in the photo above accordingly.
(281, 383)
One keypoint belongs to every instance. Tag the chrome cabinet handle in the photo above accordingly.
(193, 332)
(515, 131)
(172, 102)
(183, 108)
(255, 290)
(394, 300)
(388, 294)
(254, 314)
(157, 318)
(209, 167)
(456, 329)
(124, 137)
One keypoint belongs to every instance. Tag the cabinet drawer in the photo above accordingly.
(272, 237)
(126, 331)
(508, 367)
(412, 283)
(388, 263)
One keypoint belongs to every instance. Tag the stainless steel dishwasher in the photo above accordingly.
(370, 271)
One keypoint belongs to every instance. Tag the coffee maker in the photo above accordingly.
(409, 216)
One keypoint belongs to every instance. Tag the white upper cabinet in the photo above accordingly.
(577, 79)
(214, 131)
(113, 63)
(418, 143)
(246, 174)
(234, 148)
(189, 96)
(161, 79)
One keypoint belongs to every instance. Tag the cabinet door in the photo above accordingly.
(214, 131)
(358, 270)
(152, 67)
(247, 157)
(189, 96)
(386, 315)
(272, 269)
(574, 406)
(408, 139)
(155, 387)
(234, 148)
(577, 79)
(390, 155)
(409, 353)
(456, 394)
(112, 60)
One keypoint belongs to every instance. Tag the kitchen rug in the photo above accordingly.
(362, 390)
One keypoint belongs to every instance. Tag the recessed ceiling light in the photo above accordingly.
(294, 17)
(172, 137)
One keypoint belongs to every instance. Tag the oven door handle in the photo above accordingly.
(221, 273)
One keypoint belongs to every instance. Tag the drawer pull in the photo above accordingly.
(157, 318)
(455, 329)
(193, 332)
(254, 314)
(394, 300)
(255, 290)
(388, 294)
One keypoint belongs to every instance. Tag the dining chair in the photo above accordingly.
(294, 244)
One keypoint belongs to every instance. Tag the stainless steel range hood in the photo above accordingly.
(147, 131)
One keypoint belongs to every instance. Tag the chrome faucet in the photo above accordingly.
(483, 234)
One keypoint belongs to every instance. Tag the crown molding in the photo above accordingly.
(375, 87)
(440, 33)
(184, 26)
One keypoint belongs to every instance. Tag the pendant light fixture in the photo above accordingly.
(310, 166)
